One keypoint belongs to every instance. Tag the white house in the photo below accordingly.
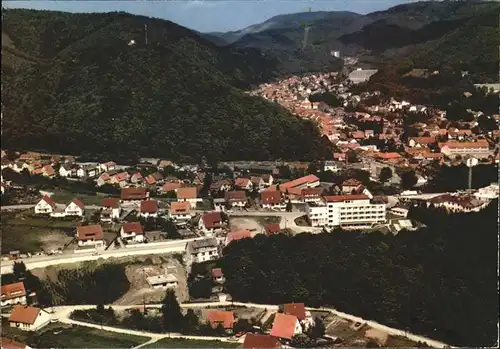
(13, 294)
(75, 208)
(110, 209)
(108, 166)
(45, 205)
(331, 166)
(236, 198)
(180, 211)
(90, 235)
(272, 199)
(199, 251)
(67, 170)
(132, 232)
(243, 183)
(268, 179)
(28, 318)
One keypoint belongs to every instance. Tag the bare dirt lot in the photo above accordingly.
(141, 291)
(246, 223)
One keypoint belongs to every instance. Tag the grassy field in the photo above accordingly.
(64, 197)
(86, 337)
(27, 233)
(188, 343)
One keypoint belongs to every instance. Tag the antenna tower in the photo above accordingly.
(146, 33)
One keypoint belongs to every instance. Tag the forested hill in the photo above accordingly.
(75, 83)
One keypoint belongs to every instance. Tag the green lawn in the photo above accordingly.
(27, 233)
(189, 343)
(86, 337)
(64, 197)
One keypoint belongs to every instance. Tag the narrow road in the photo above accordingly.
(62, 314)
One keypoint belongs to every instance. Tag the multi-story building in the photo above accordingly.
(202, 250)
(479, 149)
(346, 211)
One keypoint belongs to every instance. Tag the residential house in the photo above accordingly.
(134, 194)
(243, 184)
(163, 281)
(8, 343)
(222, 318)
(310, 181)
(458, 203)
(48, 171)
(268, 179)
(121, 179)
(75, 208)
(349, 185)
(272, 228)
(67, 170)
(104, 178)
(90, 171)
(132, 232)
(210, 223)
(136, 178)
(108, 166)
(189, 194)
(90, 235)
(150, 180)
(260, 341)
(170, 186)
(421, 142)
(236, 198)
(180, 211)
(299, 310)
(28, 318)
(257, 182)
(221, 185)
(110, 209)
(272, 199)
(199, 178)
(13, 294)
(285, 326)
(203, 250)
(237, 235)
(217, 275)
(148, 208)
(332, 166)
(45, 205)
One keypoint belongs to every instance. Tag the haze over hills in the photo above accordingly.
(351, 33)
(77, 83)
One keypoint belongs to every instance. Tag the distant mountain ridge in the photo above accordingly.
(351, 33)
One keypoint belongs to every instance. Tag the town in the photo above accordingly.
(317, 179)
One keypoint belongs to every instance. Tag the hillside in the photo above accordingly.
(73, 84)
(405, 25)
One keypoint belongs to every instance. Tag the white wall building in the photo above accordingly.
(13, 294)
(45, 205)
(202, 250)
(28, 318)
(347, 212)
(163, 281)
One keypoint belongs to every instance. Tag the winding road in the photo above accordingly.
(62, 314)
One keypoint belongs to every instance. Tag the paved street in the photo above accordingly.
(62, 314)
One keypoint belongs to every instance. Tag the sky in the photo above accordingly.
(209, 15)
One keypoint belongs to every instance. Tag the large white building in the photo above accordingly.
(346, 211)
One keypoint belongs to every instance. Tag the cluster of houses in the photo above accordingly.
(291, 319)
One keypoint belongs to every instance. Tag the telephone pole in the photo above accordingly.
(146, 33)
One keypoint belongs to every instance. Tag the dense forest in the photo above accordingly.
(75, 83)
(439, 281)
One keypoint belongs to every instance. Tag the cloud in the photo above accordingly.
(201, 3)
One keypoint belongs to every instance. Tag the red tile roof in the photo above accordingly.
(11, 291)
(311, 192)
(260, 341)
(387, 156)
(299, 181)
(133, 194)
(296, 309)
(236, 195)
(149, 206)
(272, 228)
(24, 314)
(7, 343)
(150, 180)
(111, 202)
(470, 145)
(241, 182)
(180, 207)
(78, 203)
(423, 140)
(49, 170)
(187, 193)
(351, 182)
(49, 201)
(212, 219)
(132, 227)
(238, 235)
(170, 186)
(340, 198)
(270, 197)
(85, 232)
(217, 272)
(225, 318)
(284, 326)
